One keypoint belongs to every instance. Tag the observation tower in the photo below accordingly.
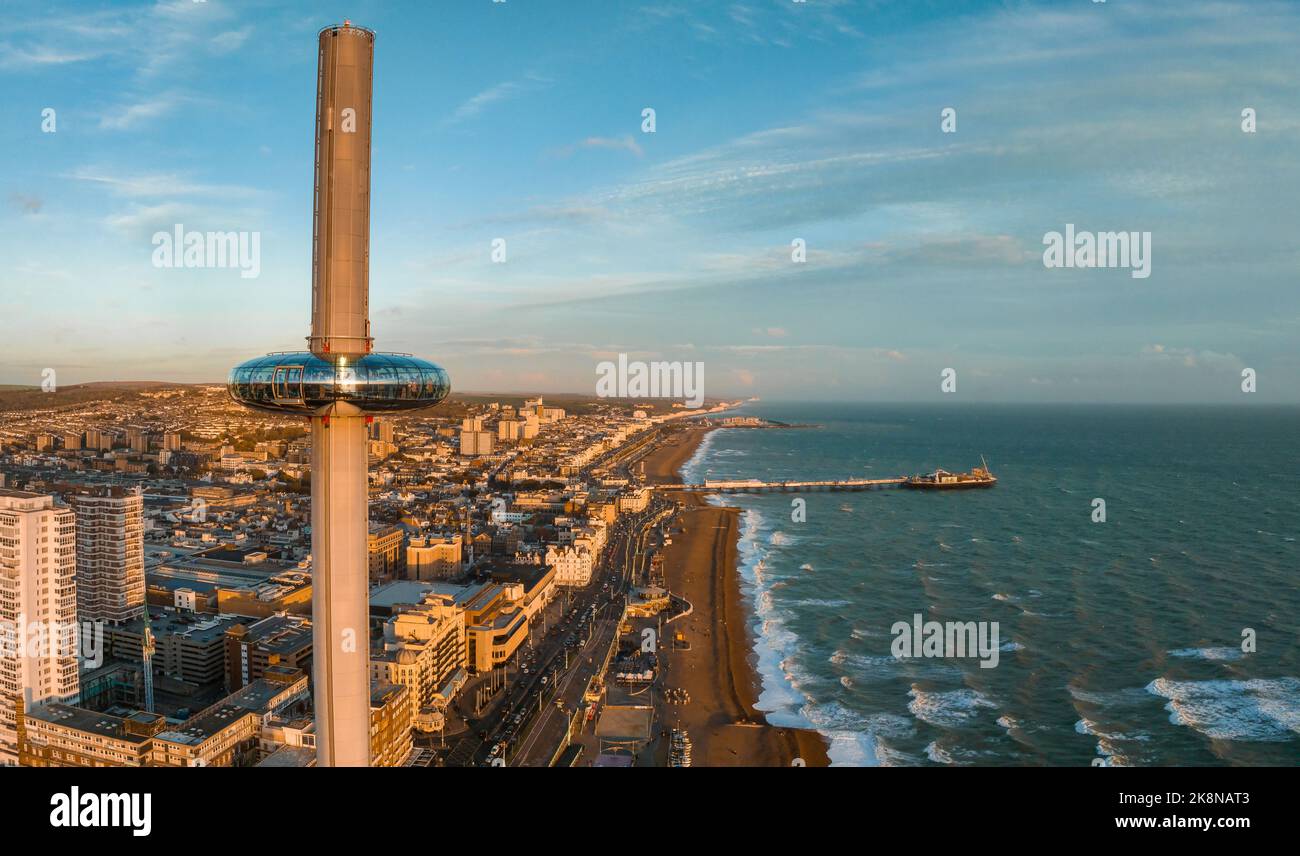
(340, 383)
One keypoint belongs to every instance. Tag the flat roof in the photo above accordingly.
(103, 724)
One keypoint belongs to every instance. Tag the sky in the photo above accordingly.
(775, 122)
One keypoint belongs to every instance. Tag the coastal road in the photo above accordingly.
(529, 701)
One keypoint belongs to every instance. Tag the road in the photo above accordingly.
(525, 726)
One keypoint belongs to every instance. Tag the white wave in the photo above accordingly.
(1108, 743)
(951, 709)
(693, 468)
(805, 567)
(1011, 647)
(1004, 597)
(778, 538)
(857, 740)
(937, 755)
(1259, 709)
(846, 681)
(1225, 653)
(831, 603)
(863, 662)
(775, 646)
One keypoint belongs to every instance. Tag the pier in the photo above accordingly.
(757, 486)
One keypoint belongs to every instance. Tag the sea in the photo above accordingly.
(1165, 633)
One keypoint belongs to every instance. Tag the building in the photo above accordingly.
(137, 440)
(190, 649)
(99, 440)
(392, 717)
(386, 548)
(573, 565)
(283, 641)
(634, 502)
(433, 558)
(110, 554)
(38, 569)
(382, 430)
(227, 734)
(474, 440)
(72, 441)
(171, 441)
(424, 645)
(495, 627)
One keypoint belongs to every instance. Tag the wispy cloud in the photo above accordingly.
(626, 143)
(505, 91)
(129, 116)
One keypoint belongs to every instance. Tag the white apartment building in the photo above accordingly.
(38, 585)
(573, 566)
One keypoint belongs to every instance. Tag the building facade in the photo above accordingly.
(38, 570)
(110, 554)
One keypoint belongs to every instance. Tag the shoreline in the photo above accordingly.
(720, 671)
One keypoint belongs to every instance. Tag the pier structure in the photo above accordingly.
(759, 486)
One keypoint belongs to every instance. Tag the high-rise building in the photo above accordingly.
(72, 441)
(38, 587)
(137, 439)
(99, 440)
(171, 441)
(382, 429)
(110, 554)
(473, 439)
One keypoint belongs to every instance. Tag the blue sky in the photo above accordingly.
(775, 121)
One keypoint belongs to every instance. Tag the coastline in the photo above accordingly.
(719, 671)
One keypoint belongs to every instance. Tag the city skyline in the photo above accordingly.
(820, 122)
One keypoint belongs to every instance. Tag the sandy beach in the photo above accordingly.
(719, 669)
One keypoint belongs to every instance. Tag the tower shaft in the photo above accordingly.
(340, 313)
(340, 586)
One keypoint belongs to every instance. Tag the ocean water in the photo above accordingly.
(1120, 642)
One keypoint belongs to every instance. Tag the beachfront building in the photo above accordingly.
(573, 565)
(38, 569)
(635, 501)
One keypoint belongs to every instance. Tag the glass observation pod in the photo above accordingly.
(301, 382)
